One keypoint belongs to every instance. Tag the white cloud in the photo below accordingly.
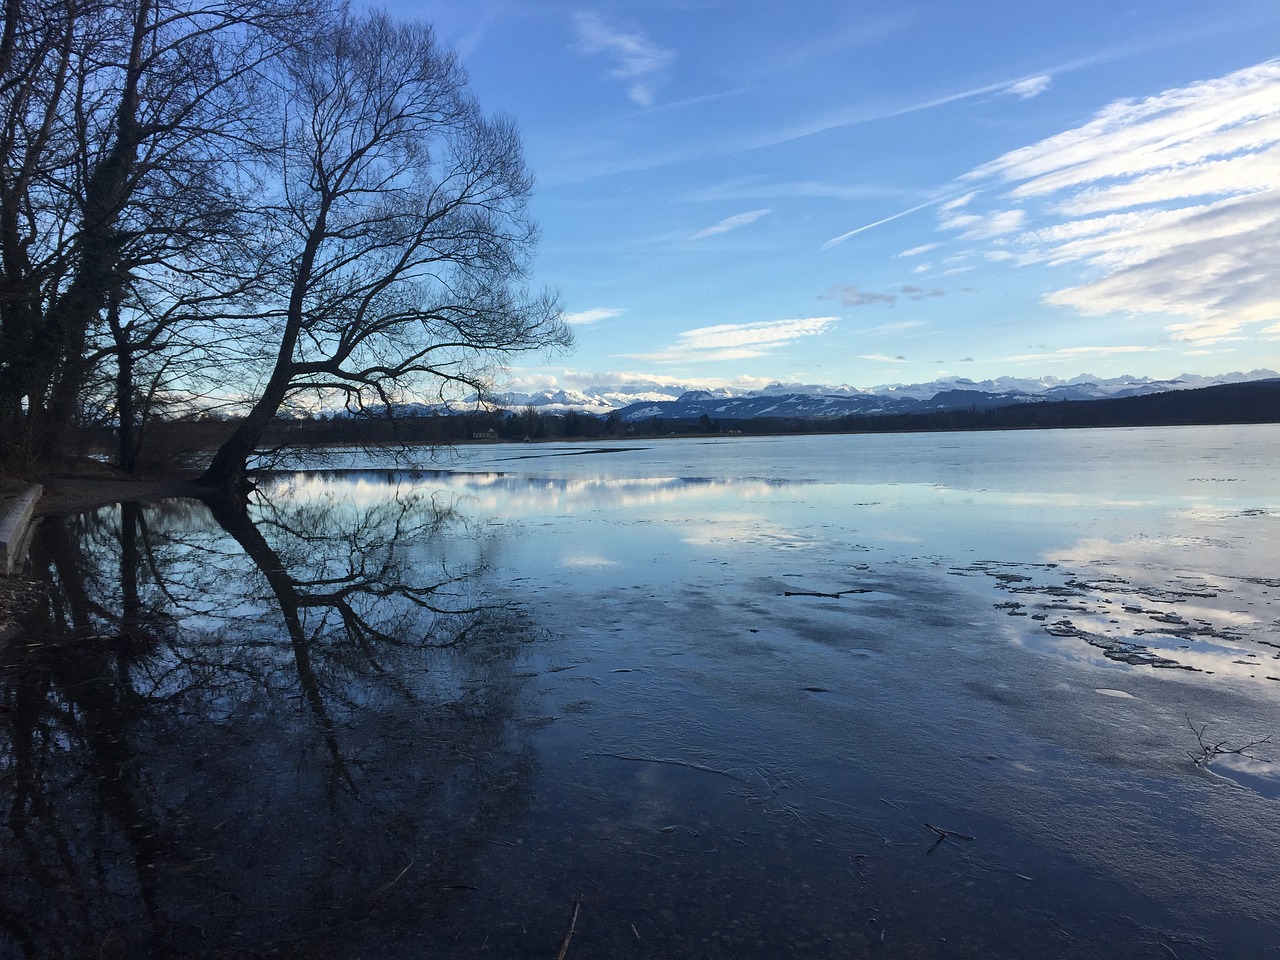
(1074, 353)
(607, 379)
(996, 223)
(595, 315)
(881, 358)
(1030, 87)
(917, 251)
(732, 223)
(530, 382)
(738, 341)
(1175, 129)
(1166, 205)
(640, 63)
(766, 333)
(1236, 176)
(961, 201)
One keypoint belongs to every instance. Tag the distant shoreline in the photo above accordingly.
(69, 491)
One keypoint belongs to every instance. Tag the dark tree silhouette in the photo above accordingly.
(124, 125)
(399, 238)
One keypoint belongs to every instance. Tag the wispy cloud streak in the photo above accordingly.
(737, 341)
(1170, 204)
(1030, 87)
(836, 241)
(640, 63)
(732, 223)
(594, 315)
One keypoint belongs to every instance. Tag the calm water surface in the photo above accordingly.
(900, 696)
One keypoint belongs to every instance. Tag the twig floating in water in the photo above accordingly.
(830, 596)
(1208, 751)
(573, 925)
(948, 833)
(387, 886)
(943, 835)
(678, 763)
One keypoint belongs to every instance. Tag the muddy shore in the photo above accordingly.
(64, 495)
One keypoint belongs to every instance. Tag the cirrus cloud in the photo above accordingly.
(921, 249)
(732, 223)
(639, 62)
(594, 315)
(1167, 205)
(1075, 353)
(1029, 87)
(737, 341)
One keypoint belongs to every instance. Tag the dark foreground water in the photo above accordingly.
(926, 696)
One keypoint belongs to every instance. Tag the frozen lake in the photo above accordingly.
(927, 695)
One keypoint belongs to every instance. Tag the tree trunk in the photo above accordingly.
(98, 248)
(228, 471)
(125, 412)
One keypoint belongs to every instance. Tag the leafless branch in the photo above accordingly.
(1208, 751)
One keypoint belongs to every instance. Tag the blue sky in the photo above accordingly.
(738, 193)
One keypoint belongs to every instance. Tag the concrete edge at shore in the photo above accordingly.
(15, 528)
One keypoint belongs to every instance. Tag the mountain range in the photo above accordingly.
(811, 401)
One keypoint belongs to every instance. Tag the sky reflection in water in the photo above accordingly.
(1081, 511)
(712, 692)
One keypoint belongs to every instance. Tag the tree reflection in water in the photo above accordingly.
(270, 730)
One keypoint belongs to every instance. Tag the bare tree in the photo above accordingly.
(309, 198)
(125, 131)
(37, 53)
(400, 234)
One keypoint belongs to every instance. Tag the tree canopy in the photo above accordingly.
(241, 205)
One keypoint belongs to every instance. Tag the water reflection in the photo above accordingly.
(277, 732)
(515, 494)
(234, 732)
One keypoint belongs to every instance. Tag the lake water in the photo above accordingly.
(906, 696)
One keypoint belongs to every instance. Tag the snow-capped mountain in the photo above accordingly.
(797, 400)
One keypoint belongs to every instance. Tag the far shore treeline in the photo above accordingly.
(1253, 402)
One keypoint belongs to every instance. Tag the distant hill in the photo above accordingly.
(1256, 401)
(634, 402)
(919, 399)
